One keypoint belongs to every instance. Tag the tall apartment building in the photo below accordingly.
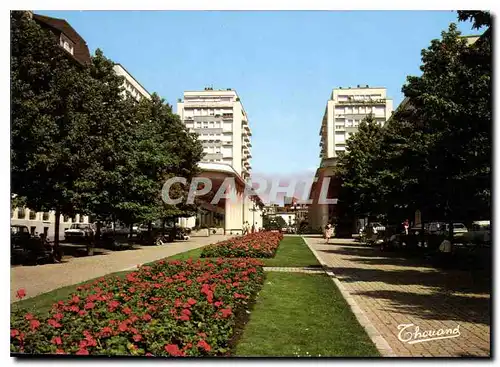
(345, 110)
(219, 118)
(131, 85)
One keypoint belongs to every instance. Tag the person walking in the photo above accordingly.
(328, 232)
(406, 225)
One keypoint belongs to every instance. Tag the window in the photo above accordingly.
(81, 218)
(21, 213)
(32, 230)
(45, 216)
(66, 218)
(32, 215)
(67, 44)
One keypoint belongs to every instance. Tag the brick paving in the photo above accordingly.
(44, 278)
(392, 290)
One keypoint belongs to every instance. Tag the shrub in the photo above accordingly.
(171, 308)
(257, 245)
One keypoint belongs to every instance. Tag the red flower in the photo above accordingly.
(127, 311)
(54, 323)
(218, 303)
(89, 306)
(34, 324)
(137, 338)
(173, 350)
(14, 333)
(58, 316)
(82, 313)
(123, 327)
(203, 335)
(83, 352)
(203, 344)
(148, 355)
(180, 289)
(184, 318)
(226, 312)
(21, 293)
(191, 301)
(186, 312)
(56, 340)
(106, 330)
(74, 308)
(75, 299)
(28, 316)
(147, 317)
(60, 351)
(114, 304)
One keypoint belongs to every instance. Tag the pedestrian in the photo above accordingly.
(406, 225)
(328, 232)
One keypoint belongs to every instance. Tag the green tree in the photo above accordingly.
(49, 91)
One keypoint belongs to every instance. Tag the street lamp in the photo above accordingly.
(253, 210)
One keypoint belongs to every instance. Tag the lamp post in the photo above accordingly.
(253, 210)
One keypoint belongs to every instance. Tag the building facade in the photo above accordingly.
(344, 111)
(132, 87)
(220, 120)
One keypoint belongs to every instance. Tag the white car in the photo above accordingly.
(459, 228)
(79, 232)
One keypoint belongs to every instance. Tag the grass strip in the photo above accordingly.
(302, 315)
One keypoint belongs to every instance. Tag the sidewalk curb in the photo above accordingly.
(380, 343)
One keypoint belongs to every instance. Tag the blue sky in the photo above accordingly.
(282, 64)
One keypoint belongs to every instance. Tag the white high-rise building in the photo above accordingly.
(345, 110)
(131, 85)
(219, 118)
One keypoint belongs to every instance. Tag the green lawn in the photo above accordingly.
(292, 252)
(302, 315)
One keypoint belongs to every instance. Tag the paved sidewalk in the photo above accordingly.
(393, 290)
(44, 278)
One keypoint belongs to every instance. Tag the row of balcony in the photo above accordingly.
(359, 101)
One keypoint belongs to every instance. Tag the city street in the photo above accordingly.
(44, 278)
(392, 290)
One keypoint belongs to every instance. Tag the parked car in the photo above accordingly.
(373, 233)
(79, 232)
(459, 228)
(30, 249)
(480, 234)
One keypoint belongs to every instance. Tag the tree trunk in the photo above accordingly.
(98, 230)
(57, 225)
(90, 244)
(150, 228)
(131, 231)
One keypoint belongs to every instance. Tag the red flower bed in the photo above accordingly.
(258, 245)
(172, 308)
